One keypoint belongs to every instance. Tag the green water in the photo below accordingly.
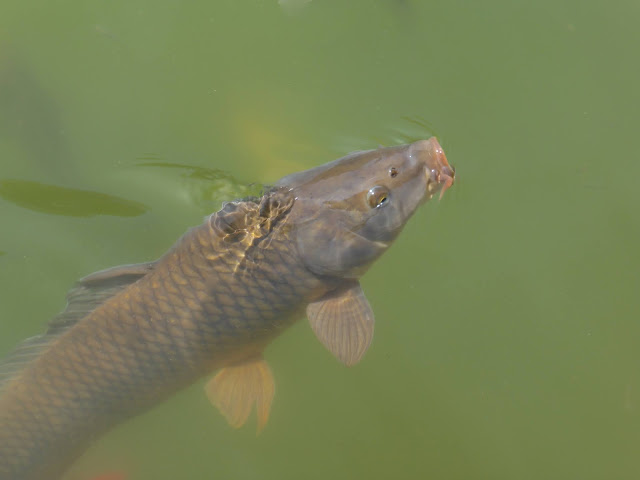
(508, 315)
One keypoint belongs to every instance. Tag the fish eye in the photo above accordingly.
(378, 196)
(393, 172)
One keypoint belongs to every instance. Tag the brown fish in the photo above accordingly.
(132, 335)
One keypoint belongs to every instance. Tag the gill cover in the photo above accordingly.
(332, 247)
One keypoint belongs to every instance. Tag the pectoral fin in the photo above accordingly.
(235, 389)
(343, 321)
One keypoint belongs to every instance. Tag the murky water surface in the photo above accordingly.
(507, 314)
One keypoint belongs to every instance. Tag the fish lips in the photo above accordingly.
(440, 175)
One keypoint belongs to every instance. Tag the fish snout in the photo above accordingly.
(440, 175)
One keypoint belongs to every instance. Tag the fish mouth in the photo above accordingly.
(440, 175)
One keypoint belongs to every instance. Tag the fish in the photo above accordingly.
(133, 335)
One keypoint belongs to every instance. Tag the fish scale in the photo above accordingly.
(172, 341)
(133, 335)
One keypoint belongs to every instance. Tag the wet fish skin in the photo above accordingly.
(215, 300)
(156, 338)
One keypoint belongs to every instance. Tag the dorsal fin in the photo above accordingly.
(83, 298)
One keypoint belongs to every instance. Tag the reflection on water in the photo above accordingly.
(411, 129)
(208, 187)
(70, 202)
(408, 129)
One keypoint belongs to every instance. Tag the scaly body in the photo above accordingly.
(133, 335)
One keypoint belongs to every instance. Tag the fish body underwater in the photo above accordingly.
(133, 335)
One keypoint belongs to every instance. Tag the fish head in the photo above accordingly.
(348, 212)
